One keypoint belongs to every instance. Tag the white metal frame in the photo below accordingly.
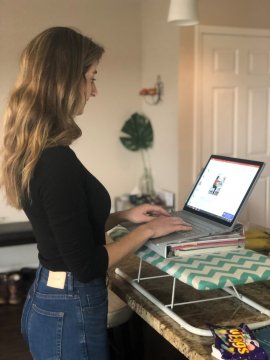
(168, 308)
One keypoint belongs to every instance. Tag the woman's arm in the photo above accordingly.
(114, 219)
(139, 214)
(129, 243)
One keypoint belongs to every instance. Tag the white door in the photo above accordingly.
(233, 105)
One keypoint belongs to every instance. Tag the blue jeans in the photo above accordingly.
(66, 324)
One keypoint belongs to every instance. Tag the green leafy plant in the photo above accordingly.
(138, 133)
(139, 136)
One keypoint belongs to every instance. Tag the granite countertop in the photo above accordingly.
(222, 312)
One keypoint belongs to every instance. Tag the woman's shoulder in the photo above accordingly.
(57, 153)
(58, 158)
(57, 168)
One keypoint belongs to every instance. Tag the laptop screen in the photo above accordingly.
(222, 188)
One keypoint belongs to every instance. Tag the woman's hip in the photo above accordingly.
(67, 323)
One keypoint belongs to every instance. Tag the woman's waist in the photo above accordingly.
(65, 279)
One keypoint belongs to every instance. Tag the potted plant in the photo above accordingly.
(137, 135)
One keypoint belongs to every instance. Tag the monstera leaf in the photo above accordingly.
(138, 133)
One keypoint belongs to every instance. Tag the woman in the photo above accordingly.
(64, 316)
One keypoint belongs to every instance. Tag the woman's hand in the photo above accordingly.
(165, 225)
(147, 213)
(155, 221)
(144, 213)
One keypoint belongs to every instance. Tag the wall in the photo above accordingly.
(115, 24)
(140, 45)
(235, 13)
(160, 56)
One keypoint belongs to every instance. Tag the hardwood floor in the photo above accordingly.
(12, 345)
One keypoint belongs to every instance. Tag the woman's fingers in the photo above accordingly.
(164, 225)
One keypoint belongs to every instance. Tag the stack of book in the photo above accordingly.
(216, 243)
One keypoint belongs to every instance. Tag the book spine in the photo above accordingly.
(205, 244)
(179, 253)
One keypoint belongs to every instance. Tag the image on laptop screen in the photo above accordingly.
(223, 187)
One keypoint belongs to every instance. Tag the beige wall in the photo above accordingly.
(140, 45)
(116, 25)
(160, 56)
(235, 13)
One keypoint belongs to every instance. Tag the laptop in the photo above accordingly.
(214, 203)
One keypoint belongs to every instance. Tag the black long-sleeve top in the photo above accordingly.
(68, 209)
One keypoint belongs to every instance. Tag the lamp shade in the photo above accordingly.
(183, 12)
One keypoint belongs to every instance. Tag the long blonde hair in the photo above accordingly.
(41, 109)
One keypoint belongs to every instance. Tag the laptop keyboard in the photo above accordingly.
(195, 232)
(199, 228)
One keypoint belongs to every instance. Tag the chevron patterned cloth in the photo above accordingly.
(212, 271)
